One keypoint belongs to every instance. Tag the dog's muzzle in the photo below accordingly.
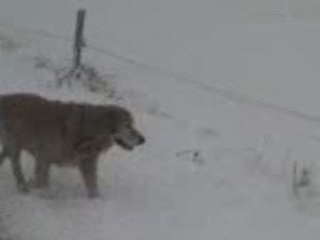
(129, 138)
(141, 140)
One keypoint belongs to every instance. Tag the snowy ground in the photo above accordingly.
(216, 165)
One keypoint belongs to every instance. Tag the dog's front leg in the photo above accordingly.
(88, 169)
(41, 173)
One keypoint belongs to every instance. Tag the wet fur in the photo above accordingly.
(65, 134)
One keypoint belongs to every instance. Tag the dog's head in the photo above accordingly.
(124, 132)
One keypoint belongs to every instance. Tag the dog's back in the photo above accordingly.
(29, 120)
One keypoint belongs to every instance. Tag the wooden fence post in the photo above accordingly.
(79, 42)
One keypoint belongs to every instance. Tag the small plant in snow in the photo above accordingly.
(301, 178)
(191, 155)
(42, 62)
(7, 43)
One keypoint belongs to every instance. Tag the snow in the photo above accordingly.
(217, 164)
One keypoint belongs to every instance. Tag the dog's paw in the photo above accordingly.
(93, 195)
(23, 188)
(36, 184)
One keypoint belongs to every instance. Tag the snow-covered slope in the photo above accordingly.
(216, 165)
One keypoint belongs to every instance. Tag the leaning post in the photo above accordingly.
(79, 42)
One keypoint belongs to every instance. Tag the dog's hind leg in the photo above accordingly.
(3, 155)
(22, 185)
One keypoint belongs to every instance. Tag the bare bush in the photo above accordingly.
(85, 75)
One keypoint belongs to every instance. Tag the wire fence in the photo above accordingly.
(232, 95)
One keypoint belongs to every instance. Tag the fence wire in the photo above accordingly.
(219, 90)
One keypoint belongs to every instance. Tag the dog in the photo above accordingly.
(63, 134)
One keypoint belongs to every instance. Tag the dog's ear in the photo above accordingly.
(84, 145)
(113, 127)
(91, 143)
(70, 121)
